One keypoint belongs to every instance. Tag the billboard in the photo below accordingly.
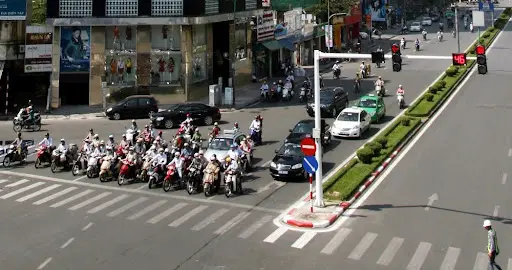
(38, 49)
(13, 10)
(75, 48)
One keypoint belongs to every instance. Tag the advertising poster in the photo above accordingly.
(13, 10)
(328, 36)
(75, 45)
(376, 9)
(38, 50)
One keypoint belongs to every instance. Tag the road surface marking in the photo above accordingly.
(389, 253)
(37, 193)
(17, 183)
(72, 198)
(336, 241)
(166, 213)
(44, 264)
(255, 226)
(188, 216)
(3, 181)
(481, 261)
(496, 211)
(509, 265)
(141, 187)
(89, 201)
(363, 246)
(510, 152)
(87, 226)
(108, 204)
(210, 219)
(232, 223)
(266, 163)
(450, 259)
(70, 240)
(275, 235)
(504, 178)
(419, 256)
(304, 240)
(80, 178)
(127, 206)
(21, 190)
(146, 210)
(55, 195)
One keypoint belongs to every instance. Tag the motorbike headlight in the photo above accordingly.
(109, 109)
(323, 105)
(159, 118)
(297, 166)
(273, 165)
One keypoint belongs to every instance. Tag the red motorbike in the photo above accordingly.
(43, 155)
(121, 152)
(126, 172)
(172, 179)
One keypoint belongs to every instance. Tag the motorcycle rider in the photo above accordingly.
(124, 143)
(178, 163)
(90, 135)
(245, 147)
(196, 163)
(18, 142)
(236, 129)
(336, 67)
(111, 142)
(188, 120)
(264, 89)
(379, 49)
(362, 68)
(87, 147)
(257, 126)
(439, 35)
(234, 153)
(291, 78)
(215, 131)
(134, 126)
(204, 161)
(288, 84)
(100, 150)
(62, 150)
(417, 44)
(197, 136)
(131, 158)
(46, 141)
(424, 34)
(96, 140)
(214, 166)
(140, 148)
(186, 151)
(111, 155)
(379, 83)
(151, 153)
(160, 160)
(400, 90)
(231, 170)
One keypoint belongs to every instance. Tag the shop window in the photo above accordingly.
(166, 37)
(122, 8)
(75, 8)
(120, 55)
(167, 7)
(241, 41)
(199, 72)
(121, 38)
(165, 55)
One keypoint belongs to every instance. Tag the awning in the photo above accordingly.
(288, 43)
(272, 45)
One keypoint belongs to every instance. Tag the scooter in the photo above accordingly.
(401, 101)
(287, 94)
(80, 164)
(256, 136)
(171, 179)
(336, 73)
(417, 47)
(194, 180)
(126, 172)
(209, 179)
(302, 95)
(146, 166)
(106, 170)
(154, 176)
(424, 37)
(43, 156)
(196, 146)
(13, 156)
(93, 169)
(439, 38)
(233, 184)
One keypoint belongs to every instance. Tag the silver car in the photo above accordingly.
(221, 145)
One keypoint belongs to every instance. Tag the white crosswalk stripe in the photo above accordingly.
(210, 219)
(275, 235)
(37, 193)
(166, 213)
(419, 256)
(89, 201)
(304, 240)
(336, 241)
(108, 204)
(232, 222)
(390, 251)
(21, 190)
(363, 246)
(146, 210)
(55, 195)
(72, 198)
(509, 265)
(188, 216)
(125, 207)
(254, 227)
(452, 255)
(17, 183)
(481, 261)
(3, 181)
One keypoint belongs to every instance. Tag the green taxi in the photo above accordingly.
(373, 105)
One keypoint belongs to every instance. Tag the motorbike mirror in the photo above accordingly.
(276, 151)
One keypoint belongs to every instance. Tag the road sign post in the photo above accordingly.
(311, 192)
(318, 125)
(311, 147)
(308, 146)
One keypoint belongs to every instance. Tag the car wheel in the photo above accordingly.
(168, 124)
(334, 113)
(150, 114)
(116, 116)
(360, 133)
(208, 120)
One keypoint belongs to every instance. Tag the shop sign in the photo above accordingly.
(308, 30)
(292, 24)
(265, 3)
(338, 20)
(38, 49)
(265, 26)
(75, 46)
(320, 30)
(13, 10)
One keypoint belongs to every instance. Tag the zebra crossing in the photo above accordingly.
(241, 224)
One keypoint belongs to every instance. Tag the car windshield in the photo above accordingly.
(415, 24)
(326, 96)
(303, 128)
(220, 144)
(426, 19)
(348, 117)
(367, 103)
(173, 107)
(290, 149)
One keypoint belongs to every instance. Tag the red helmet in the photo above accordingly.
(236, 124)
(188, 114)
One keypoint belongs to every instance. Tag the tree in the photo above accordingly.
(335, 6)
(39, 12)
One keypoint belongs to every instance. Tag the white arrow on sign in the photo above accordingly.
(310, 165)
(431, 201)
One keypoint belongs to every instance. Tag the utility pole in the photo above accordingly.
(232, 58)
(329, 20)
(457, 26)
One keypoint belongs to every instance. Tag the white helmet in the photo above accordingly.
(166, 150)
(201, 152)
(196, 154)
(96, 136)
(186, 144)
(487, 223)
(400, 86)
(177, 154)
(153, 147)
(161, 150)
(212, 158)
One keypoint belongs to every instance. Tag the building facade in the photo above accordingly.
(172, 49)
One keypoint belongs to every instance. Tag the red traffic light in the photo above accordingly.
(395, 48)
(480, 49)
(459, 59)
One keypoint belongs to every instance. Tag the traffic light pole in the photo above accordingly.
(457, 27)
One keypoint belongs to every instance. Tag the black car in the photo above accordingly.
(137, 106)
(176, 114)
(304, 128)
(332, 101)
(287, 164)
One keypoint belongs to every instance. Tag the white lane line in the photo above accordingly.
(481, 261)
(303, 240)
(509, 265)
(108, 204)
(146, 210)
(389, 253)
(86, 227)
(363, 246)
(496, 211)
(68, 242)
(510, 152)
(44, 264)
(37, 193)
(127, 206)
(17, 183)
(255, 226)
(166, 213)
(419, 256)
(80, 178)
(3, 181)
(21, 190)
(266, 163)
(336, 241)
(55, 195)
(504, 178)
(141, 187)
(275, 235)
(452, 255)
(188, 216)
(210, 219)
(89, 201)
(232, 223)
(72, 198)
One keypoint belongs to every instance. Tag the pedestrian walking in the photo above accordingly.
(492, 245)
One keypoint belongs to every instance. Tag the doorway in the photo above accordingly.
(220, 46)
(74, 89)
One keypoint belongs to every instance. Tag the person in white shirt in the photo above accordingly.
(362, 67)
(231, 169)
(256, 126)
(46, 141)
(245, 147)
(336, 66)
(264, 89)
(96, 140)
(111, 142)
(288, 84)
(131, 157)
(178, 162)
(61, 150)
(189, 119)
(234, 153)
(100, 150)
(87, 148)
(160, 159)
(150, 153)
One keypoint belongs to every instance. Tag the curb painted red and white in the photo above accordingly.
(291, 220)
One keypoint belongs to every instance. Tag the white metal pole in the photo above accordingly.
(318, 121)
(457, 28)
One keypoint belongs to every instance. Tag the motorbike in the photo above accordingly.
(154, 176)
(454, 35)
(424, 37)
(171, 179)
(196, 146)
(107, 170)
(417, 47)
(362, 71)
(126, 172)
(273, 94)
(233, 184)
(302, 95)
(244, 162)
(43, 155)
(93, 166)
(402, 44)
(79, 164)
(287, 94)
(13, 156)
(58, 162)
(193, 180)
(379, 91)
(440, 38)
(337, 73)
(209, 178)
(263, 97)
(256, 136)
(401, 101)
(144, 172)
(357, 86)
(24, 122)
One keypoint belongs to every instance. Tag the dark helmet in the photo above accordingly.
(19, 134)
(47, 134)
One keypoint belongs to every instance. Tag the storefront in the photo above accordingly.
(165, 55)
(352, 24)
(319, 37)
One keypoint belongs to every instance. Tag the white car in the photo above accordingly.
(351, 122)
(363, 35)
(427, 21)
(415, 27)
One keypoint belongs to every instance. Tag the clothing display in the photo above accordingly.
(171, 65)
(165, 68)
(116, 32)
(128, 33)
(164, 32)
(129, 66)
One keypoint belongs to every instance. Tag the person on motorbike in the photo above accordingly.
(124, 143)
(234, 153)
(288, 84)
(424, 34)
(46, 141)
(186, 151)
(256, 126)
(336, 68)
(62, 150)
(230, 169)
(197, 136)
(160, 160)
(246, 148)
(100, 150)
(379, 49)
(236, 129)
(214, 167)
(402, 43)
(131, 158)
(140, 148)
(291, 79)
(151, 152)
(215, 131)
(189, 119)
(111, 155)
(379, 83)
(178, 163)
(90, 135)
(417, 44)
(204, 160)
(264, 89)
(111, 142)
(87, 148)
(197, 162)
(400, 91)
(96, 140)
(440, 35)
(134, 126)
(18, 142)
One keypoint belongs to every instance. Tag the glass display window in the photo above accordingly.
(120, 68)
(198, 35)
(166, 37)
(165, 68)
(121, 38)
(241, 41)
(199, 72)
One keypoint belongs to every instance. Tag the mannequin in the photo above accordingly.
(164, 32)
(161, 69)
(113, 69)
(129, 66)
(116, 37)
(120, 69)
(171, 68)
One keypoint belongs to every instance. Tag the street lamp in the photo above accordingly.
(454, 6)
(232, 58)
(329, 20)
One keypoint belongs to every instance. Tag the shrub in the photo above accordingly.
(433, 89)
(406, 121)
(482, 41)
(442, 83)
(451, 71)
(491, 29)
(439, 85)
(382, 141)
(486, 35)
(375, 147)
(429, 97)
(365, 155)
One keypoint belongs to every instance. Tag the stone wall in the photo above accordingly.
(55, 76)
(97, 65)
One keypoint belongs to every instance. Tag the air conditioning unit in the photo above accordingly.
(21, 48)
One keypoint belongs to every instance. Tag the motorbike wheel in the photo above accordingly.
(7, 161)
(90, 174)
(36, 127)
(103, 178)
(151, 182)
(190, 187)
(120, 180)
(166, 185)
(207, 190)
(17, 127)
(53, 167)
(227, 190)
(75, 170)
(37, 163)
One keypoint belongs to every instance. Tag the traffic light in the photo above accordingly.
(459, 59)
(396, 58)
(481, 59)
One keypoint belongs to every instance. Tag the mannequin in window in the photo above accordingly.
(113, 69)
(120, 70)
(128, 35)
(116, 37)
(170, 66)
(129, 66)
(164, 32)
(161, 69)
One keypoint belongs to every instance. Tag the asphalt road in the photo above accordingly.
(135, 227)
